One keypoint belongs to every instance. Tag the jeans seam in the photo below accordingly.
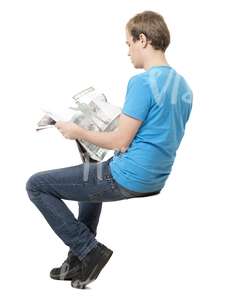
(60, 184)
(87, 249)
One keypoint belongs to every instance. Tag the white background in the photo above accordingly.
(172, 246)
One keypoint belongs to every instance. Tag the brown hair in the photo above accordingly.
(153, 26)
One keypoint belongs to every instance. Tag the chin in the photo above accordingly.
(137, 66)
(134, 65)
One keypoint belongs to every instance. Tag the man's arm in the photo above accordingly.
(119, 139)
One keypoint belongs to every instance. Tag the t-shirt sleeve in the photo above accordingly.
(137, 99)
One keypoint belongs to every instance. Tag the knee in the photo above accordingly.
(32, 182)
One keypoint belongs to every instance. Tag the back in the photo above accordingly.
(162, 99)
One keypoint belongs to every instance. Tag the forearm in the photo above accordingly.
(107, 140)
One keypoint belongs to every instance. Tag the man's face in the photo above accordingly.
(134, 51)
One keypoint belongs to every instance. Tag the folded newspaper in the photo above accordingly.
(91, 111)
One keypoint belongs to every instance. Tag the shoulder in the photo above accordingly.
(140, 81)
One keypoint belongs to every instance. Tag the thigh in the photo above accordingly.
(89, 182)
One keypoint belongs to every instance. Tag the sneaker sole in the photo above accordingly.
(77, 283)
(62, 279)
(65, 276)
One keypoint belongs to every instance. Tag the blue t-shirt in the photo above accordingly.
(162, 99)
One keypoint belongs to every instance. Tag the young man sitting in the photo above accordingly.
(157, 106)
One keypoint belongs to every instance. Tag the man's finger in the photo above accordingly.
(58, 125)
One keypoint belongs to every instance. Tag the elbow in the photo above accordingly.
(122, 147)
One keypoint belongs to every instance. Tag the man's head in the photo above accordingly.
(147, 35)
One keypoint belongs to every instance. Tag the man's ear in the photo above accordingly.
(143, 40)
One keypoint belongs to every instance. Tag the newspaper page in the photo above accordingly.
(92, 112)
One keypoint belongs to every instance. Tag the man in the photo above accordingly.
(157, 106)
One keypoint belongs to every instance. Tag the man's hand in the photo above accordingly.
(69, 130)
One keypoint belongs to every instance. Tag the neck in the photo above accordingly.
(156, 59)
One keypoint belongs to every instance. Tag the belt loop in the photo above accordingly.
(86, 167)
(100, 170)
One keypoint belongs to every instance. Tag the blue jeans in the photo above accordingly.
(89, 183)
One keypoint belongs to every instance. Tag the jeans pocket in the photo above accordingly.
(125, 192)
(133, 194)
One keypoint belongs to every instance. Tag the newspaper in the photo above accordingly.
(90, 111)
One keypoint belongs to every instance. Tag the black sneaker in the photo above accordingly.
(68, 269)
(91, 266)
